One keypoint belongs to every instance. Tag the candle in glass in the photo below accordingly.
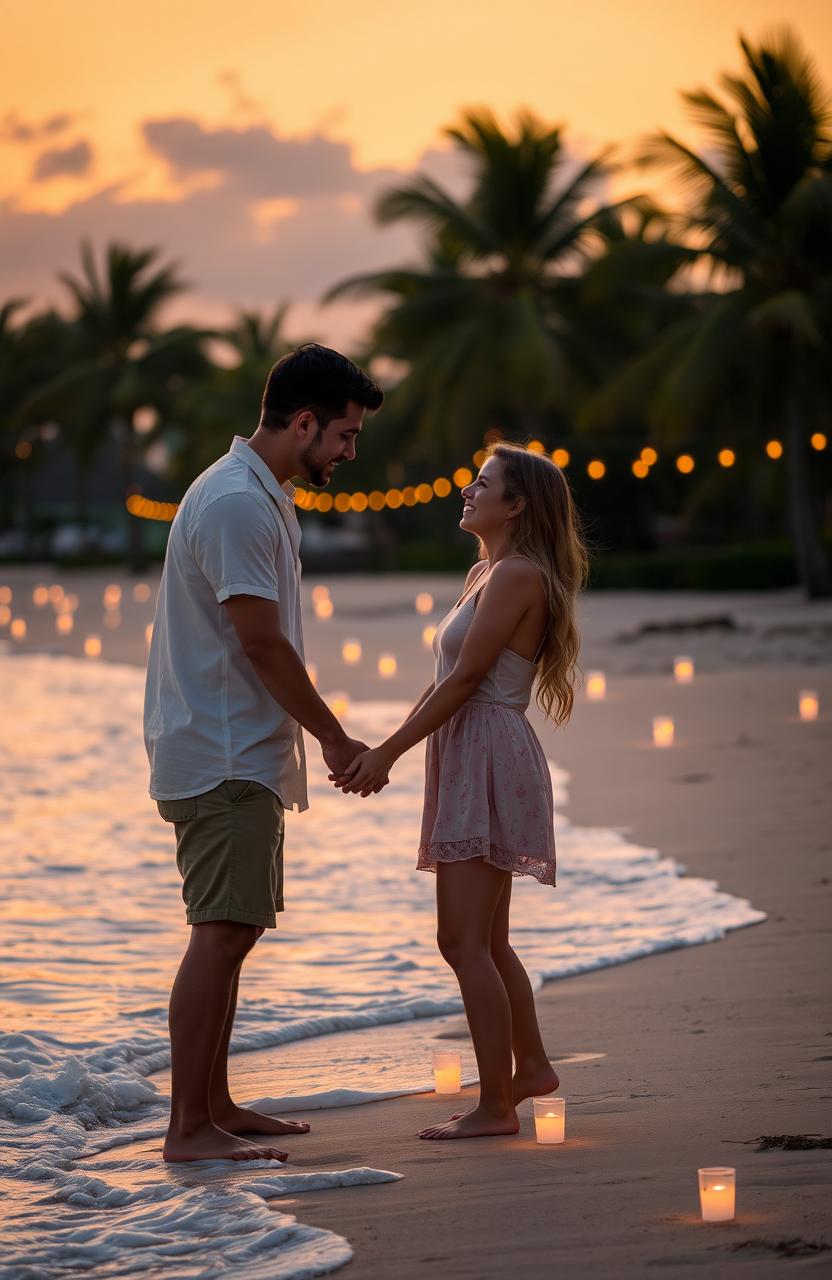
(549, 1119)
(716, 1194)
(663, 731)
(683, 670)
(447, 1071)
(596, 686)
(809, 704)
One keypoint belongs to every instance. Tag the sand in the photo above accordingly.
(701, 1050)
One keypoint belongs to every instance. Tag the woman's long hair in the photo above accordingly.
(548, 532)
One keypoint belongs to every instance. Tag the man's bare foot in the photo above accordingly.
(245, 1120)
(474, 1124)
(529, 1084)
(211, 1143)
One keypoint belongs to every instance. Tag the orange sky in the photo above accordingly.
(382, 77)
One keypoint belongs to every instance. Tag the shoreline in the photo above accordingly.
(705, 1047)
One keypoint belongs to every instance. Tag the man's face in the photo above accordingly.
(324, 450)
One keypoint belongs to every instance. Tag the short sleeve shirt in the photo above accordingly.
(208, 716)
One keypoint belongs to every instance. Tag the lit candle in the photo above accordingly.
(387, 666)
(141, 593)
(5, 615)
(5, 595)
(683, 670)
(112, 596)
(427, 636)
(339, 704)
(92, 646)
(112, 619)
(324, 608)
(596, 686)
(663, 731)
(351, 652)
(549, 1119)
(447, 1071)
(64, 623)
(18, 628)
(56, 594)
(716, 1194)
(424, 602)
(809, 704)
(40, 596)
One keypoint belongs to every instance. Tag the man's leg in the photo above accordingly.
(224, 1111)
(199, 1008)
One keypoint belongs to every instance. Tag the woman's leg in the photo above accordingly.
(533, 1073)
(467, 895)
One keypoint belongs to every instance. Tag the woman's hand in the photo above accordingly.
(367, 773)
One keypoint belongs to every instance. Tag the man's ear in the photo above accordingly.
(305, 423)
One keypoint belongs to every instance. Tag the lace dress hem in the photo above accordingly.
(519, 864)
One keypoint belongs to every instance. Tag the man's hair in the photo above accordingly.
(318, 379)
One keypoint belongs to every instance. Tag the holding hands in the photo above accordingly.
(367, 773)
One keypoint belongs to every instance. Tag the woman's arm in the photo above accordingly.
(509, 593)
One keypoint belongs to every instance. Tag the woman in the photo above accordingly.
(488, 812)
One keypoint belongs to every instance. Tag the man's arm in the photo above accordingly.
(257, 624)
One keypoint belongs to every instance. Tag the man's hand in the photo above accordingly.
(338, 756)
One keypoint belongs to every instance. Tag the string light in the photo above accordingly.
(442, 487)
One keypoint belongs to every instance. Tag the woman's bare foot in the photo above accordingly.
(211, 1143)
(478, 1123)
(239, 1120)
(529, 1084)
(534, 1083)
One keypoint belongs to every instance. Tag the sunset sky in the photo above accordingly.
(250, 140)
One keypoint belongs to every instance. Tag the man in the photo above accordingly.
(227, 693)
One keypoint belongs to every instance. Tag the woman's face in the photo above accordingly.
(486, 511)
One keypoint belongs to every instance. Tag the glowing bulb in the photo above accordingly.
(640, 469)
(427, 636)
(18, 629)
(92, 646)
(442, 487)
(462, 477)
(536, 446)
(685, 464)
(424, 602)
(376, 500)
(809, 704)
(560, 457)
(351, 652)
(64, 623)
(40, 596)
(818, 441)
(726, 457)
(649, 455)
(596, 469)
(774, 449)
(387, 666)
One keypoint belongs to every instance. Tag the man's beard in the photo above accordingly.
(315, 466)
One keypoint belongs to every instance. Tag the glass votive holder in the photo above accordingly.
(596, 686)
(549, 1119)
(808, 704)
(447, 1071)
(717, 1189)
(663, 731)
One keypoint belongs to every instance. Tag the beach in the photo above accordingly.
(669, 1062)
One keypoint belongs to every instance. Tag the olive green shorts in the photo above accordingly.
(229, 851)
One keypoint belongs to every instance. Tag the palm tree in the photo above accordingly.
(121, 360)
(760, 340)
(480, 325)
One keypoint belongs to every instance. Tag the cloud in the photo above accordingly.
(60, 161)
(15, 129)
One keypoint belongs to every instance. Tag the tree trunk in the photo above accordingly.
(136, 559)
(812, 562)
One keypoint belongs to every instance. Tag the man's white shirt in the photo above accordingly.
(208, 716)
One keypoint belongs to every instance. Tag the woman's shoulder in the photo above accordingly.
(516, 571)
(474, 573)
